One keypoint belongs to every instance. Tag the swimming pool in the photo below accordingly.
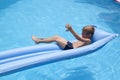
(19, 19)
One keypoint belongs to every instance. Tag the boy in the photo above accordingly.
(84, 39)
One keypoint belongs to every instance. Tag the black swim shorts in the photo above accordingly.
(68, 46)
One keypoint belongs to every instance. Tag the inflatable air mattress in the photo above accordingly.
(43, 54)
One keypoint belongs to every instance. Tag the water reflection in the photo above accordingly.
(6, 3)
(107, 4)
(79, 73)
(112, 20)
(111, 16)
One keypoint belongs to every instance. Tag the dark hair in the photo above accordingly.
(90, 29)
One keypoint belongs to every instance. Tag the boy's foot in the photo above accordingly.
(35, 39)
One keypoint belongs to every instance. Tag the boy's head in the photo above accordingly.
(88, 31)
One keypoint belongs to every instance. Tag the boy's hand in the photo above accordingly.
(69, 27)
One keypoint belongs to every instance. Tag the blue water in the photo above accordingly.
(19, 19)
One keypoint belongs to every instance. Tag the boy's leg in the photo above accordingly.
(61, 41)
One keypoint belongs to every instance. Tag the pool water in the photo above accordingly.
(19, 19)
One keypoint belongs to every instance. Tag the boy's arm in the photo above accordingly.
(69, 28)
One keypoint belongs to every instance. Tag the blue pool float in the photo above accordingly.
(43, 54)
